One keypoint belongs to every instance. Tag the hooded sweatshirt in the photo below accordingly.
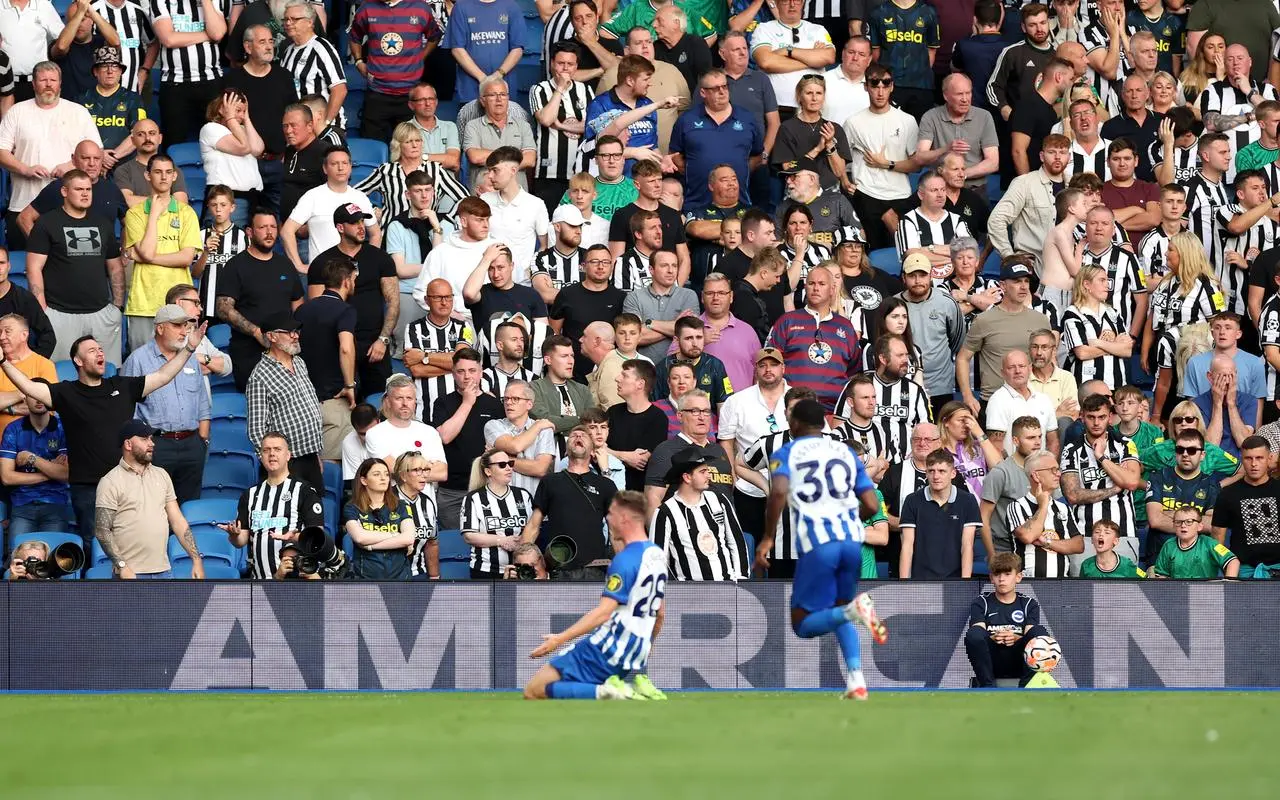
(454, 260)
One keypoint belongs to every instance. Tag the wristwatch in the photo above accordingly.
(207, 359)
(385, 339)
(121, 564)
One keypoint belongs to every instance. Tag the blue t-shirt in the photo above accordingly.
(704, 144)
(50, 443)
(488, 31)
(1245, 404)
(607, 106)
(1251, 378)
(1172, 492)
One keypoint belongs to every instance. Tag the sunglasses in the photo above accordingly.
(1187, 451)
(879, 81)
(1181, 420)
(501, 464)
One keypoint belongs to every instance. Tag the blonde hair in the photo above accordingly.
(1187, 408)
(1194, 340)
(1079, 295)
(402, 133)
(1192, 264)
(406, 462)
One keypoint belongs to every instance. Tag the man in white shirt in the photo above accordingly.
(746, 417)
(455, 258)
(1015, 399)
(315, 210)
(788, 48)
(883, 139)
(516, 217)
(27, 28)
(401, 433)
(37, 139)
(846, 83)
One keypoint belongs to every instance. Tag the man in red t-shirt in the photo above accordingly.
(1136, 203)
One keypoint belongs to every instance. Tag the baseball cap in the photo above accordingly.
(280, 321)
(107, 55)
(799, 165)
(1011, 270)
(770, 352)
(134, 427)
(569, 215)
(349, 212)
(173, 313)
(916, 262)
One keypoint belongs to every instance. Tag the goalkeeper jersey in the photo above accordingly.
(1204, 559)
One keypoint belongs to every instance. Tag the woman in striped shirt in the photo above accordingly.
(389, 179)
(1098, 346)
(494, 514)
(380, 524)
(411, 482)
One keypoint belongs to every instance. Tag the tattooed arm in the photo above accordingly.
(103, 528)
(1215, 122)
(1077, 495)
(225, 309)
(178, 524)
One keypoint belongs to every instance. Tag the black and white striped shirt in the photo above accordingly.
(825, 9)
(560, 268)
(757, 457)
(233, 242)
(1124, 276)
(425, 519)
(266, 509)
(557, 150)
(1048, 309)
(558, 28)
(872, 437)
(900, 406)
(1186, 160)
(1153, 252)
(499, 515)
(916, 230)
(1220, 97)
(1078, 459)
(389, 180)
(1171, 312)
(980, 285)
(1038, 562)
(195, 62)
(1262, 236)
(494, 381)
(316, 68)
(430, 338)
(631, 270)
(1204, 198)
(702, 542)
(1094, 160)
(134, 27)
(1079, 327)
(814, 254)
(1094, 37)
(1269, 336)
(532, 343)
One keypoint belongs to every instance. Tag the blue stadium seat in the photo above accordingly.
(17, 262)
(219, 336)
(994, 191)
(227, 475)
(213, 570)
(222, 384)
(208, 512)
(230, 407)
(455, 570)
(751, 552)
(229, 435)
(914, 179)
(186, 154)
(333, 480)
(397, 365)
(52, 539)
(20, 280)
(991, 269)
(453, 547)
(212, 543)
(886, 260)
(368, 152)
(332, 523)
(100, 572)
(882, 570)
(355, 81)
(375, 400)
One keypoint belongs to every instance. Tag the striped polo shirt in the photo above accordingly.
(820, 354)
(394, 38)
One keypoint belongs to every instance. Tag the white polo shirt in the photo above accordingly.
(777, 36)
(43, 136)
(27, 33)
(844, 97)
(745, 417)
(518, 224)
(315, 210)
(1006, 405)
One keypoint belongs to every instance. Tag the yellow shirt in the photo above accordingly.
(176, 228)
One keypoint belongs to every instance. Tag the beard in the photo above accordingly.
(290, 348)
(277, 8)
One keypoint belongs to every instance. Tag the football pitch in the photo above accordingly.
(793, 746)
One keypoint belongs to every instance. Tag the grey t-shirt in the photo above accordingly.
(646, 305)
(1004, 484)
(131, 176)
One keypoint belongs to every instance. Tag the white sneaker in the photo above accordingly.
(863, 610)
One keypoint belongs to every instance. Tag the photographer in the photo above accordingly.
(290, 566)
(18, 562)
(526, 564)
(273, 512)
(573, 502)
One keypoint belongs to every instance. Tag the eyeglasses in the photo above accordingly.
(926, 439)
(497, 94)
(713, 294)
(439, 297)
(301, 18)
(288, 333)
(719, 87)
(879, 81)
(501, 464)
(192, 300)
(698, 412)
(609, 156)
(1054, 470)
(597, 262)
(1187, 451)
(1181, 523)
(516, 399)
(422, 99)
(418, 469)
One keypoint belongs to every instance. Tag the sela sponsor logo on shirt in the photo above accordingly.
(514, 521)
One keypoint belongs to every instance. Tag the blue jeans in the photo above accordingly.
(272, 172)
(153, 576)
(32, 517)
(84, 502)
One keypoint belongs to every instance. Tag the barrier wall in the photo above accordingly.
(345, 636)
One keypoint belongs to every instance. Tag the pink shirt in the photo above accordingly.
(737, 348)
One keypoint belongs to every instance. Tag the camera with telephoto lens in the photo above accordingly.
(65, 559)
(318, 553)
(526, 572)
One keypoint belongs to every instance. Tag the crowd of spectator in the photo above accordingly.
(1025, 256)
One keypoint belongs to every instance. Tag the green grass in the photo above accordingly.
(788, 746)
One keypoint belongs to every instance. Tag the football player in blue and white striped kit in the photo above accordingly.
(819, 477)
(622, 627)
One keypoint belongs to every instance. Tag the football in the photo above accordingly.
(1042, 653)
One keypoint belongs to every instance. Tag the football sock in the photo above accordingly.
(820, 623)
(571, 690)
(847, 635)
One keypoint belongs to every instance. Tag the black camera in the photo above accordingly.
(318, 553)
(526, 572)
(65, 559)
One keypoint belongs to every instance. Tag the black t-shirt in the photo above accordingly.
(664, 455)
(267, 96)
(77, 70)
(260, 289)
(587, 59)
(468, 445)
(108, 201)
(735, 265)
(575, 505)
(75, 272)
(516, 300)
(322, 319)
(1263, 271)
(91, 417)
(577, 307)
(1036, 119)
(869, 291)
(690, 55)
(1250, 512)
(751, 307)
(372, 265)
(643, 431)
(672, 226)
(303, 171)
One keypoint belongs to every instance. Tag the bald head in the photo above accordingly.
(597, 341)
(1016, 367)
(1074, 54)
(1222, 365)
(1090, 388)
(88, 157)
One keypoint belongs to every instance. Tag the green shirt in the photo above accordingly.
(869, 552)
(1124, 569)
(610, 197)
(640, 14)
(1205, 559)
(1255, 156)
(1145, 436)
(1160, 455)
